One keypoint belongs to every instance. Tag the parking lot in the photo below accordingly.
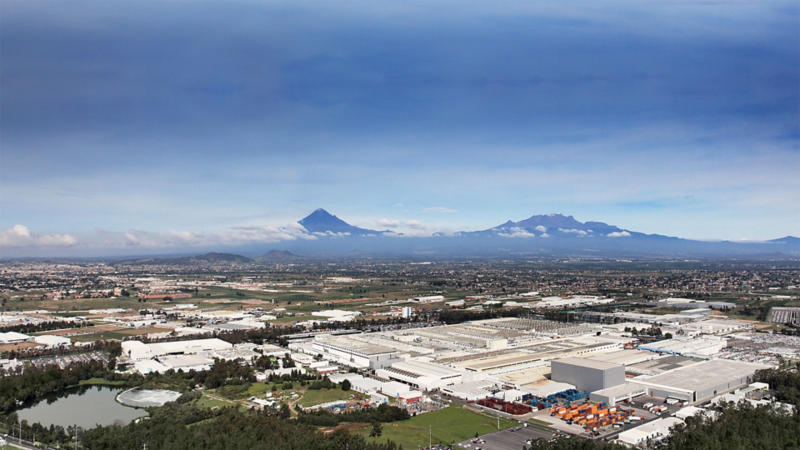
(506, 439)
(64, 361)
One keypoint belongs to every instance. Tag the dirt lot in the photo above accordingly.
(84, 330)
(16, 347)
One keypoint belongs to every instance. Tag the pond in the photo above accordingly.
(86, 407)
(147, 397)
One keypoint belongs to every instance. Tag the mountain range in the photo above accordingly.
(551, 234)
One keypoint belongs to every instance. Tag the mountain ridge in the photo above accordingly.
(545, 234)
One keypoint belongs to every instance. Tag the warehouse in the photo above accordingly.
(586, 374)
(701, 346)
(715, 327)
(138, 351)
(613, 395)
(429, 299)
(546, 388)
(420, 374)
(700, 381)
(365, 385)
(52, 341)
(273, 351)
(624, 357)
(357, 354)
(188, 363)
(471, 391)
(660, 364)
(12, 337)
(394, 388)
(651, 431)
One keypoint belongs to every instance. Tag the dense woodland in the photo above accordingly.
(383, 413)
(785, 383)
(228, 429)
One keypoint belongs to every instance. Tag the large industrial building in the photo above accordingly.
(699, 381)
(356, 354)
(420, 374)
(139, 351)
(587, 375)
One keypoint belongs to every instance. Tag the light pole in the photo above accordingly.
(430, 436)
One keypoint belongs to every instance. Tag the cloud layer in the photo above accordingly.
(20, 236)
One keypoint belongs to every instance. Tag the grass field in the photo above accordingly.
(205, 402)
(312, 398)
(258, 388)
(540, 422)
(101, 382)
(451, 424)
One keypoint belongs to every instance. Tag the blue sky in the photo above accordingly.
(154, 126)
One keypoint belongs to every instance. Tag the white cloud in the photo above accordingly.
(517, 232)
(541, 228)
(545, 235)
(232, 236)
(619, 234)
(573, 231)
(416, 225)
(330, 234)
(439, 209)
(388, 223)
(20, 236)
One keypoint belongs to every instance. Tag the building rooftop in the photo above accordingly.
(623, 357)
(419, 369)
(589, 363)
(705, 375)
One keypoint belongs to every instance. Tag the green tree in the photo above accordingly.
(377, 429)
(346, 385)
(285, 412)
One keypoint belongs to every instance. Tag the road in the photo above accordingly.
(27, 445)
(507, 440)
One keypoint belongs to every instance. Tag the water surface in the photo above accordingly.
(86, 407)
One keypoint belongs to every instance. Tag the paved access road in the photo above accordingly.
(506, 440)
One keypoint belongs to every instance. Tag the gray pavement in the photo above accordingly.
(505, 439)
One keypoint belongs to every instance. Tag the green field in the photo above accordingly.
(312, 398)
(101, 382)
(451, 424)
(205, 402)
(256, 389)
(540, 422)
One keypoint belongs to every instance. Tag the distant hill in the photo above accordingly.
(219, 257)
(786, 240)
(280, 255)
(208, 258)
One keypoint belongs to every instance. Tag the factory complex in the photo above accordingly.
(519, 366)
(517, 359)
